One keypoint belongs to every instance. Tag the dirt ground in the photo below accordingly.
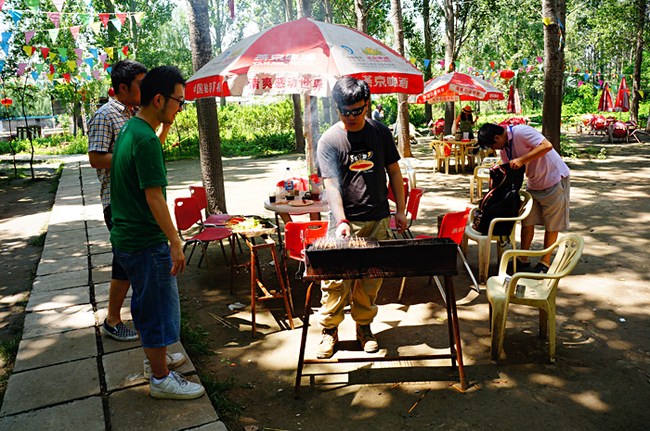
(601, 377)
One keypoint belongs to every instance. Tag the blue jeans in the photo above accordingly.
(155, 305)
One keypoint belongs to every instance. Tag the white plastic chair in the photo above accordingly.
(485, 241)
(531, 289)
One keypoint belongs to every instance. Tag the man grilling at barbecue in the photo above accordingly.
(354, 156)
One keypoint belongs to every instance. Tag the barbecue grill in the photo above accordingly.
(356, 258)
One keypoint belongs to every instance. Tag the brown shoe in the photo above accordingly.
(327, 343)
(367, 339)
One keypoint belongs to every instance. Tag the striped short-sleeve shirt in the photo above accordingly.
(103, 129)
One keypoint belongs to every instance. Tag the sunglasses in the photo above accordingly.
(353, 112)
(180, 101)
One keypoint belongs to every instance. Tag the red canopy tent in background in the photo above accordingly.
(622, 97)
(457, 86)
(606, 102)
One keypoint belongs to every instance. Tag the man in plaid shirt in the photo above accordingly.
(103, 129)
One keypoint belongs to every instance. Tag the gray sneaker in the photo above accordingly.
(120, 332)
(174, 360)
(175, 387)
(328, 343)
(367, 339)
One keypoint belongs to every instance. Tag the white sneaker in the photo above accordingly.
(175, 387)
(174, 360)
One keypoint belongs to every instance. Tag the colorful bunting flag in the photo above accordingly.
(34, 5)
(39, 67)
(2, 2)
(28, 35)
(66, 77)
(102, 58)
(93, 51)
(21, 69)
(103, 17)
(51, 69)
(125, 50)
(55, 17)
(121, 16)
(118, 25)
(96, 26)
(45, 51)
(58, 4)
(6, 35)
(54, 33)
(109, 51)
(78, 52)
(74, 31)
(29, 50)
(2, 63)
(138, 18)
(34, 75)
(72, 65)
(63, 53)
(15, 15)
(90, 62)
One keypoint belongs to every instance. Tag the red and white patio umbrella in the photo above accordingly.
(457, 86)
(622, 97)
(304, 57)
(514, 104)
(606, 103)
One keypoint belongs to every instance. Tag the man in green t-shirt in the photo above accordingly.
(142, 227)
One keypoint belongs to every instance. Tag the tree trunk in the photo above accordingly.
(360, 14)
(450, 49)
(427, 52)
(403, 134)
(553, 70)
(638, 59)
(295, 98)
(206, 109)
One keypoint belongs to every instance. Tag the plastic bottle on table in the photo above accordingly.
(288, 183)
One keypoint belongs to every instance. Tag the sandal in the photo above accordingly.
(541, 268)
(521, 267)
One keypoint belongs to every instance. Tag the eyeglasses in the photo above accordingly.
(353, 112)
(180, 101)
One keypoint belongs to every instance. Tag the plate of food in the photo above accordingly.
(281, 202)
(301, 203)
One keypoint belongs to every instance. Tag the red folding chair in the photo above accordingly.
(412, 207)
(391, 195)
(198, 192)
(188, 215)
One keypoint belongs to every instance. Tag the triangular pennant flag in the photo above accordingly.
(84, 75)
(138, 17)
(21, 68)
(54, 33)
(55, 17)
(102, 58)
(96, 74)
(84, 18)
(2, 63)
(121, 16)
(78, 52)
(90, 62)
(103, 17)
(93, 51)
(109, 51)
(72, 65)
(109, 69)
(28, 35)
(2, 2)
(34, 5)
(426, 62)
(15, 15)
(66, 77)
(125, 50)
(118, 25)
(39, 67)
(79, 62)
(50, 76)
(5, 41)
(63, 53)
(52, 69)
(96, 27)
(29, 50)
(58, 4)
(34, 75)
(45, 51)
(106, 66)
(74, 31)
(52, 56)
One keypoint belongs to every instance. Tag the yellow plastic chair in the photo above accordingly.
(485, 241)
(481, 173)
(531, 289)
(442, 152)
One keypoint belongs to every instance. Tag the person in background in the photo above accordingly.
(547, 182)
(465, 122)
(355, 156)
(378, 113)
(103, 128)
(144, 238)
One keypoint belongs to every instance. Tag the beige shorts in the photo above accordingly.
(550, 207)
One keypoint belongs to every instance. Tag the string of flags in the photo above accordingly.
(60, 62)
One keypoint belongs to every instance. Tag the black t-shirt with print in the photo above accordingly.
(359, 160)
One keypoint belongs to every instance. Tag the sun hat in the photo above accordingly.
(467, 109)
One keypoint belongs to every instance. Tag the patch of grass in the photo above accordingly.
(8, 352)
(217, 389)
(599, 153)
(38, 241)
(54, 185)
(194, 339)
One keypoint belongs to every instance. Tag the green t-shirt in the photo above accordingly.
(137, 164)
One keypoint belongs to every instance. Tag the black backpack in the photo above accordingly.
(501, 201)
